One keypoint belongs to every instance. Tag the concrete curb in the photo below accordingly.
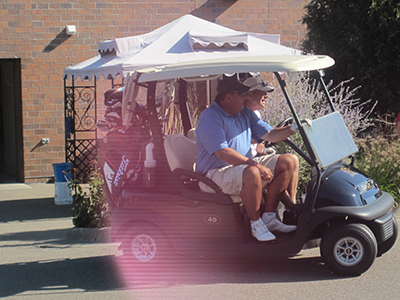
(89, 235)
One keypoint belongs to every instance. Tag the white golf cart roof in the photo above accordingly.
(239, 64)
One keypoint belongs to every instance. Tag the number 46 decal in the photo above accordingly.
(212, 219)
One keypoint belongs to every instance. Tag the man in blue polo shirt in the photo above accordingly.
(223, 137)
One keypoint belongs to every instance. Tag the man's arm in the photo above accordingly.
(277, 135)
(232, 157)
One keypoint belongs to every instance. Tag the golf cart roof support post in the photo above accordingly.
(310, 151)
(310, 204)
(186, 122)
(321, 74)
(317, 174)
(152, 111)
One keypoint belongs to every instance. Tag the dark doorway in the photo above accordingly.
(11, 152)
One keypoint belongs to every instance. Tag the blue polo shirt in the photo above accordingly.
(217, 130)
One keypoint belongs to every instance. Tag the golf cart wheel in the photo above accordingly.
(349, 249)
(145, 244)
(387, 245)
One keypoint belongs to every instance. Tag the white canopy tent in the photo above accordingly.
(186, 39)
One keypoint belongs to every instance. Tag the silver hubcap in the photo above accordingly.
(348, 251)
(144, 247)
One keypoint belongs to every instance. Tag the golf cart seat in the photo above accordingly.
(181, 156)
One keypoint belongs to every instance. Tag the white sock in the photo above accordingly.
(259, 221)
(268, 216)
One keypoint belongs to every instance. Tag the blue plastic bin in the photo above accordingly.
(58, 170)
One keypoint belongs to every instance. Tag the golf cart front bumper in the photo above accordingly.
(377, 216)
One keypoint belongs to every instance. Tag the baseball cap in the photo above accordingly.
(230, 84)
(256, 83)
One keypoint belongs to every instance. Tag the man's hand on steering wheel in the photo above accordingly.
(306, 122)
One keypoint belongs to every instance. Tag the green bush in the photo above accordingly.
(90, 207)
(380, 159)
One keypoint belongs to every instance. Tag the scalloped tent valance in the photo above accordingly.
(217, 39)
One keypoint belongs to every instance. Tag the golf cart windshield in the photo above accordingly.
(330, 139)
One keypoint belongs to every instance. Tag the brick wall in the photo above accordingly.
(35, 31)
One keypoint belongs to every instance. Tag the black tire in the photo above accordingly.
(388, 244)
(349, 249)
(145, 244)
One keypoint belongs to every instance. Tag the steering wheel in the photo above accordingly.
(285, 122)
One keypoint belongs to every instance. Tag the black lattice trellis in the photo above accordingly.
(80, 127)
(83, 154)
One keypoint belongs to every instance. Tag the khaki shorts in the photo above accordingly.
(230, 178)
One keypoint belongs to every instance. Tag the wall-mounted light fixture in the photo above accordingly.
(71, 29)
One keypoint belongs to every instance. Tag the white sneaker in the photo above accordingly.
(276, 225)
(261, 232)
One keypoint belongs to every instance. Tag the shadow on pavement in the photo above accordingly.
(33, 238)
(86, 274)
(227, 270)
(32, 209)
(104, 273)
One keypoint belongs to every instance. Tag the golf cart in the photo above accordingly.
(159, 210)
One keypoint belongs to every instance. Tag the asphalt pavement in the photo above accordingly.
(42, 254)
(29, 202)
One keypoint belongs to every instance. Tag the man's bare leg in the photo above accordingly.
(251, 193)
(277, 189)
(292, 187)
(251, 196)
